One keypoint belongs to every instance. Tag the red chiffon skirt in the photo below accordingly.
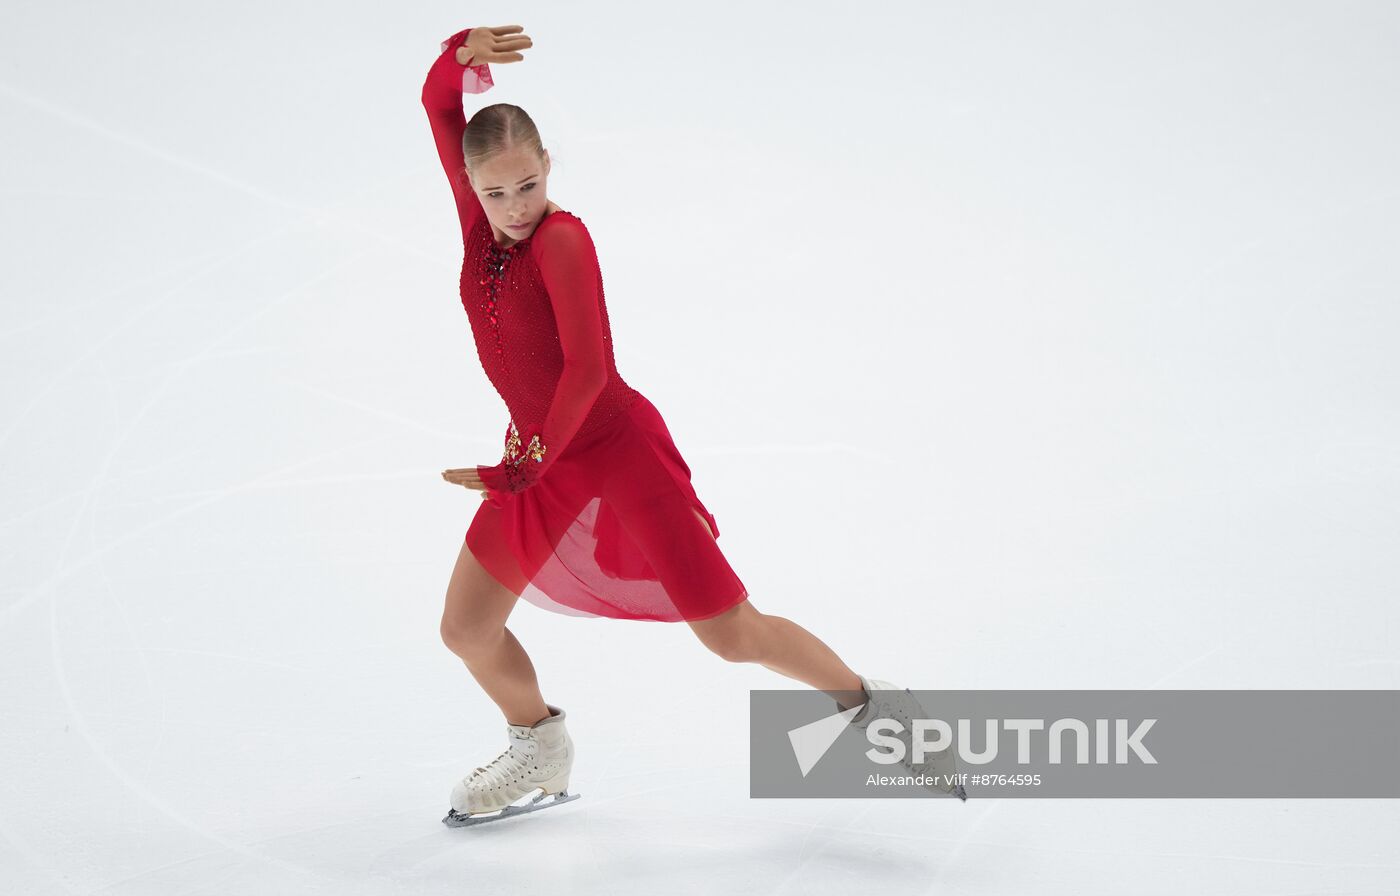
(612, 529)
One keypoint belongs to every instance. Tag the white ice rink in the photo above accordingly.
(1023, 345)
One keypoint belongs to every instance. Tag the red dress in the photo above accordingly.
(591, 511)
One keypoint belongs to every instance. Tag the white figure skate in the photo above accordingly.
(889, 701)
(540, 757)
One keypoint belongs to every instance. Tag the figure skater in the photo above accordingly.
(591, 510)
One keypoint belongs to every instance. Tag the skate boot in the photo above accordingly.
(889, 701)
(540, 757)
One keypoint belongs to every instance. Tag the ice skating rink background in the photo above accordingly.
(1013, 346)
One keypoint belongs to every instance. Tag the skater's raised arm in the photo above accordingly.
(568, 263)
(462, 67)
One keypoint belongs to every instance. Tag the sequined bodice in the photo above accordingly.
(517, 338)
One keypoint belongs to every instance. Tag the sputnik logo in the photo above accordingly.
(810, 742)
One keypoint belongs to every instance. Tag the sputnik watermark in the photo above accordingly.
(1061, 737)
(1207, 744)
(883, 733)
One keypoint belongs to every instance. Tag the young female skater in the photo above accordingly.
(591, 510)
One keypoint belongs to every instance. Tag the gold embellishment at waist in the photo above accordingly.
(513, 454)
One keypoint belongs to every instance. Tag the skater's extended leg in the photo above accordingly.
(473, 627)
(742, 634)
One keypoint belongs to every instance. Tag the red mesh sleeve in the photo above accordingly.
(447, 80)
(568, 264)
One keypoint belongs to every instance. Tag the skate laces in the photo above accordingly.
(507, 765)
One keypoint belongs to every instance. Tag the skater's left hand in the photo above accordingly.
(466, 476)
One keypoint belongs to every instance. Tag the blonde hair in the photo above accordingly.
(498, 127)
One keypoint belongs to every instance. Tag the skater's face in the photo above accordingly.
(511, 187)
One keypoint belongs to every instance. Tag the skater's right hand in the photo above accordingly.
(494, 43)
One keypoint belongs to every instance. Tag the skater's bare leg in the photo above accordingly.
(474, 628)
(742, 634)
